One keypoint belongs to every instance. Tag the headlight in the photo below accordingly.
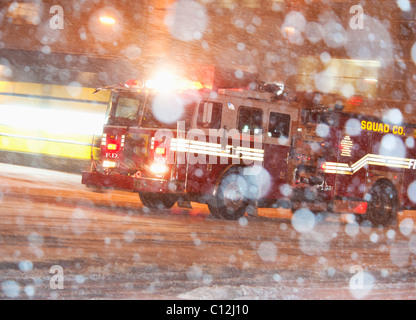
(158, 168)
(109, 164)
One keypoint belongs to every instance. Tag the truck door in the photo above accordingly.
(277, 138)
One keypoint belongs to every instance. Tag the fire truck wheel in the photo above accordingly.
(229, 200)
(157, 200)
(383, 205)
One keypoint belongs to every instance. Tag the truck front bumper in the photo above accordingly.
(130, 183)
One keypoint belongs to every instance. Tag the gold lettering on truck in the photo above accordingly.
(382, 128)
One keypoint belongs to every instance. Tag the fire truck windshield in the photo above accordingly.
(135, 109)
(125, 109)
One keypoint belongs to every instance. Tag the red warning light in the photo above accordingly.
(133, 83)
(361, 208)
(355, 101)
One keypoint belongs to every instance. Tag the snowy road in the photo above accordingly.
(61, 240)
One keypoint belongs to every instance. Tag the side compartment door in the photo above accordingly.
(201, 159)
(352, 150)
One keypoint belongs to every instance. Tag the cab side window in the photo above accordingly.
(250, 120)
(279, 125)
(209, 115)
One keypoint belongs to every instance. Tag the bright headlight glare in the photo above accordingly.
(157, 168)
(109, 164)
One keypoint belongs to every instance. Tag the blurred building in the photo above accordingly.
(314, 45)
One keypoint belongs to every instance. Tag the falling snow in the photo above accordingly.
(60, 239)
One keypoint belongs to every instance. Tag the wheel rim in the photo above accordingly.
(230, 200)
(233, 196)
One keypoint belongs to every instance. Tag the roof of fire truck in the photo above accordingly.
(203, 78)
(249, 88)
(195, 87)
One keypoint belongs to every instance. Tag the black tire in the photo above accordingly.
(143, 199)
(157, 200)
(212, 209)
(383, 205)
(229, 200)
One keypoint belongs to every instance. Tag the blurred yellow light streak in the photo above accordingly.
(50, 119)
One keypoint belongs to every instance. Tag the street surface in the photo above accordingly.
(62, 240)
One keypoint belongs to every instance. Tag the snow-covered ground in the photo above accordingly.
(61, 240)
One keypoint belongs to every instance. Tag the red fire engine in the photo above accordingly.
(238, 149)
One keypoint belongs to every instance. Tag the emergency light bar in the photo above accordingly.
(165, 84)
(157, 85)
(168, 81)
(133, 83)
